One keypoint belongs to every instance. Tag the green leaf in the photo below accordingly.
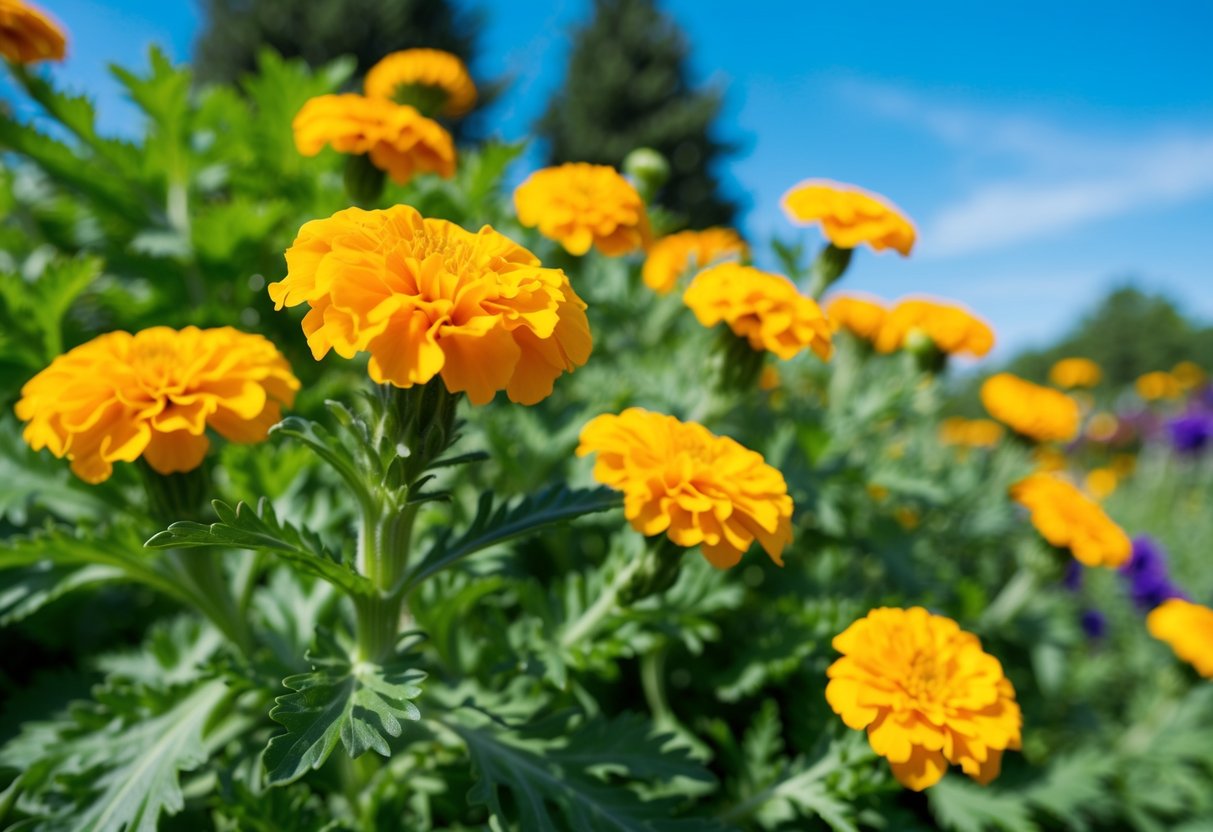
(493, 526)
(32, 588)
(128, 753)
(549, 774)
(960, 805)
(261, 530)
(357, 703)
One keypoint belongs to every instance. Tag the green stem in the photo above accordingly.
(652, 680)
(1013, 596)
(378, 626)
(208, 589)
(829, 267)
(588, 621)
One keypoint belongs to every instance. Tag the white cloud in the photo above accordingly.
(1064, 179)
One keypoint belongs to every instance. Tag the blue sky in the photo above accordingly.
(1045, 150)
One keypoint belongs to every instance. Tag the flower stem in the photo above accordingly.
(827, 269)
(607, 602)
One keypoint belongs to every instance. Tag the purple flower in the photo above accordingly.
(1072, 580)
(1146, 574)
(1192, 432)
(1093, 623)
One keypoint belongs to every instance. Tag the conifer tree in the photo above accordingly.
(628, 86)
(320, 31)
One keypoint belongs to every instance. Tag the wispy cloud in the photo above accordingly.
(1062, 178)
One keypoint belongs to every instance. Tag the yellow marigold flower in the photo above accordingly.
(1101, 482)
(1068, 519)
(859, 316)
(1102, 427)
(153, 395)
(670, 257)
(849, 216)
(426, 69)
(397, 139)
(1188, 374)
(1031, 410)
(582, 205)
(1075, 372)
(953, 329)
(970, 433)
(926, 693)
(425, 297)
(907, 517)
(700, 489)
(28, 35)
(1048, 459)
(1158, 385)
(1188, 628)
(765, 309)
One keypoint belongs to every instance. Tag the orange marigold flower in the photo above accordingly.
(700, 489)
(398, 139)
(765, 309)
(1075, 372)
(28, 35)
(1068, 519)
(1188, 628)
(861, 317)
(412, 74)
(153, 395)
(581, 205)
(1031, 410)
(926, 693)
(670, 257)
(970, 433)
(1158, 385)
(1188, 374)
(1101, 482)
(849, 216)
(951, 328)
(425, 297)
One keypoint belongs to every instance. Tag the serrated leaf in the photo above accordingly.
(260, 530)
(496, 525)
(29, 590)
(962, 806)
(358, 704)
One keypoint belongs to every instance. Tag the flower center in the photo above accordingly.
(925, 677)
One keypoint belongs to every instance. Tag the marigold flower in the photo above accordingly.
(970, 433)
(425, 297)
(951, 328)
(411, 73)
(153, 395)
(1075, 372)
(926, 693)
(700, 489)
(765, 309)
(1068, 519)
(859, 316)
(1188, 628)
(582, 205)
(28, 35)
(1030, 410)
(1102, 427)
(1101, 482)
(1048, 459)
(670, 257)
(1189, 375)
(1158, 385)
(397, 139)
(849, 216)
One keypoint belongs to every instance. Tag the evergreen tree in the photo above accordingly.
(628, 87)
(321, 30)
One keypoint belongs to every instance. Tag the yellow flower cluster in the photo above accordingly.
(859, 316)
(120, 397)
(970, 433)
(1068, 519)
(951, 328)
(671, 257)
(582, 205)
(1074, 372)
(1188, 629)
(1189, 374)
(700, 489)
(428, 69)
(1158, 385)
(763, 308)
(849, 216)
(425, 297)
(1030, 410)
(28, 35)
(926, 693)
(396, 138)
